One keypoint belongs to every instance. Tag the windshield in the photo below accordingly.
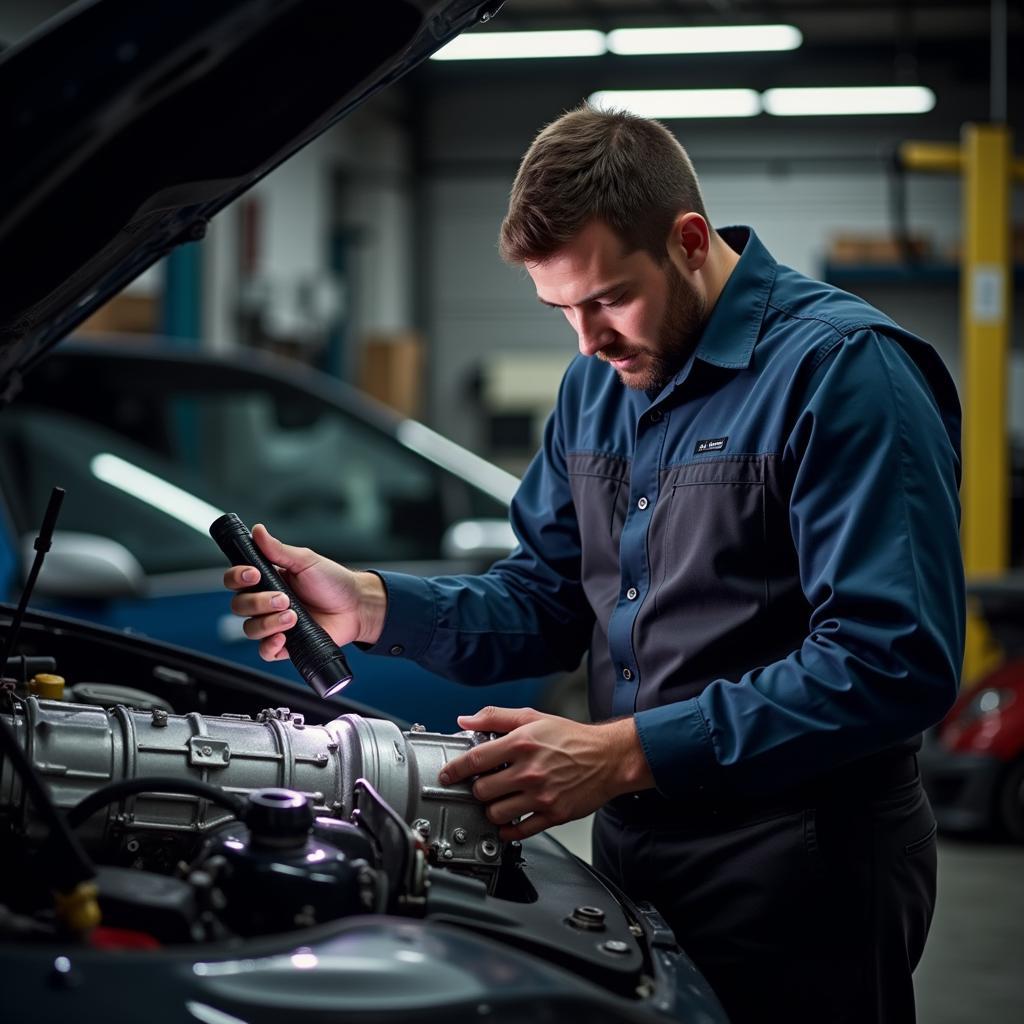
(150, 451)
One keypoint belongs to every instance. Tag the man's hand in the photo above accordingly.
(556, 770)
(349, 605)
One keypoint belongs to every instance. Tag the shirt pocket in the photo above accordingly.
(600, 490)
(708, 542)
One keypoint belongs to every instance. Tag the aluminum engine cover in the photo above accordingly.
(77, 748)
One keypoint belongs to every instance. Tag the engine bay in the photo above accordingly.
(247, 828)
(317, 821)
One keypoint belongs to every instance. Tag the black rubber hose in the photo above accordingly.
(70, 865)
(107, 794)
(42, 544)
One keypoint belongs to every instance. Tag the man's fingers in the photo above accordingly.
(494, 786)
(264, 602)
(238, 577)
(480, 759)
(493, 719)
(530, 826)
(267, 625)
(284, 555)
(501, 812)
(273, 649)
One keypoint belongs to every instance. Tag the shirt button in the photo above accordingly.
(396, 649)
(655, 415)
(627, 674)
(642, 504)
(631, 593)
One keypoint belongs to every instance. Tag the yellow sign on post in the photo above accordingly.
(985, 297)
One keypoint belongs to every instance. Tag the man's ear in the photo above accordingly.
(689, 241)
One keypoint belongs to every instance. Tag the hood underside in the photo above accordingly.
(127, 126)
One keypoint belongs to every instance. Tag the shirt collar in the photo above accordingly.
(732, 329)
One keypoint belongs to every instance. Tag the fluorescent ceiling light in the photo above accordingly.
(507, 45)
(712, 39)
(680, 103)
(154, 491)
(895, 99)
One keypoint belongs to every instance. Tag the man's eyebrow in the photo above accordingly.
(600, 294)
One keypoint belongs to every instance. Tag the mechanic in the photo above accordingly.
(746, 508)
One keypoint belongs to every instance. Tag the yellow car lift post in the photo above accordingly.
(984, 160)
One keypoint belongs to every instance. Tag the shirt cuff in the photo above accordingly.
(410, 617)
(677, 744)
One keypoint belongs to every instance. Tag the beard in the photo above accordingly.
(678, 335)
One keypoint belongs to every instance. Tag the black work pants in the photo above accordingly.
(816, 913)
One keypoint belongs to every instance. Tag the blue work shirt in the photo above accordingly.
(763, 559)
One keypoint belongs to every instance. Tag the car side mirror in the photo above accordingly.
(85, 565)
(482, 540)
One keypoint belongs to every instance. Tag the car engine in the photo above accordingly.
(206, 827)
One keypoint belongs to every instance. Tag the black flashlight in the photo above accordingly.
(317, 657)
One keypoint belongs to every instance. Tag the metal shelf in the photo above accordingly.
(900, 273)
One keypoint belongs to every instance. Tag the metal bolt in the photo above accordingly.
(616, 946)
(489, 848)
(159, 718)
(63, 974)
(416, 727)
(459, 835)
(367, 887)
(587, 918)
(207, 750)
(449, 854)
(422, 826)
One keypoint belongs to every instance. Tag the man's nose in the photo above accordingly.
(593, 333)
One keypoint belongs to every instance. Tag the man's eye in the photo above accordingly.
(612, 303)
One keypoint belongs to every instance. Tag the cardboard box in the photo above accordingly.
(126, 313)
(877, 250)
(391, 370)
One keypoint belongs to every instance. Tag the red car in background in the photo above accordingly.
(973, 761)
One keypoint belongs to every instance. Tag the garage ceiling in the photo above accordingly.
(819, 20)
(945, 44)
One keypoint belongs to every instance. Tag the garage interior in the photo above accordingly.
(372, 255)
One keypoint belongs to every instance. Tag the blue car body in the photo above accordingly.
(323, 466)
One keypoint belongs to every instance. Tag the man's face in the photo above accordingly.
(642, 317)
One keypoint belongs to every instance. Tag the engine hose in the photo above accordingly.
(107, 794)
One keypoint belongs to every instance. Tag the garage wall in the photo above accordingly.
(355, 181)
(798, 182)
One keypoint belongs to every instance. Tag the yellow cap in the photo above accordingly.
(78, 909)
(47, 686)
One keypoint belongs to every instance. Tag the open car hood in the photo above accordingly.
(127, 126)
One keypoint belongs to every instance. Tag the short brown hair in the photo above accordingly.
(631, 172)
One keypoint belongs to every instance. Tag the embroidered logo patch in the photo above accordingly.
(710, 444)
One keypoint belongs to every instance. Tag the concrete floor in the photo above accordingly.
(973, 965)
